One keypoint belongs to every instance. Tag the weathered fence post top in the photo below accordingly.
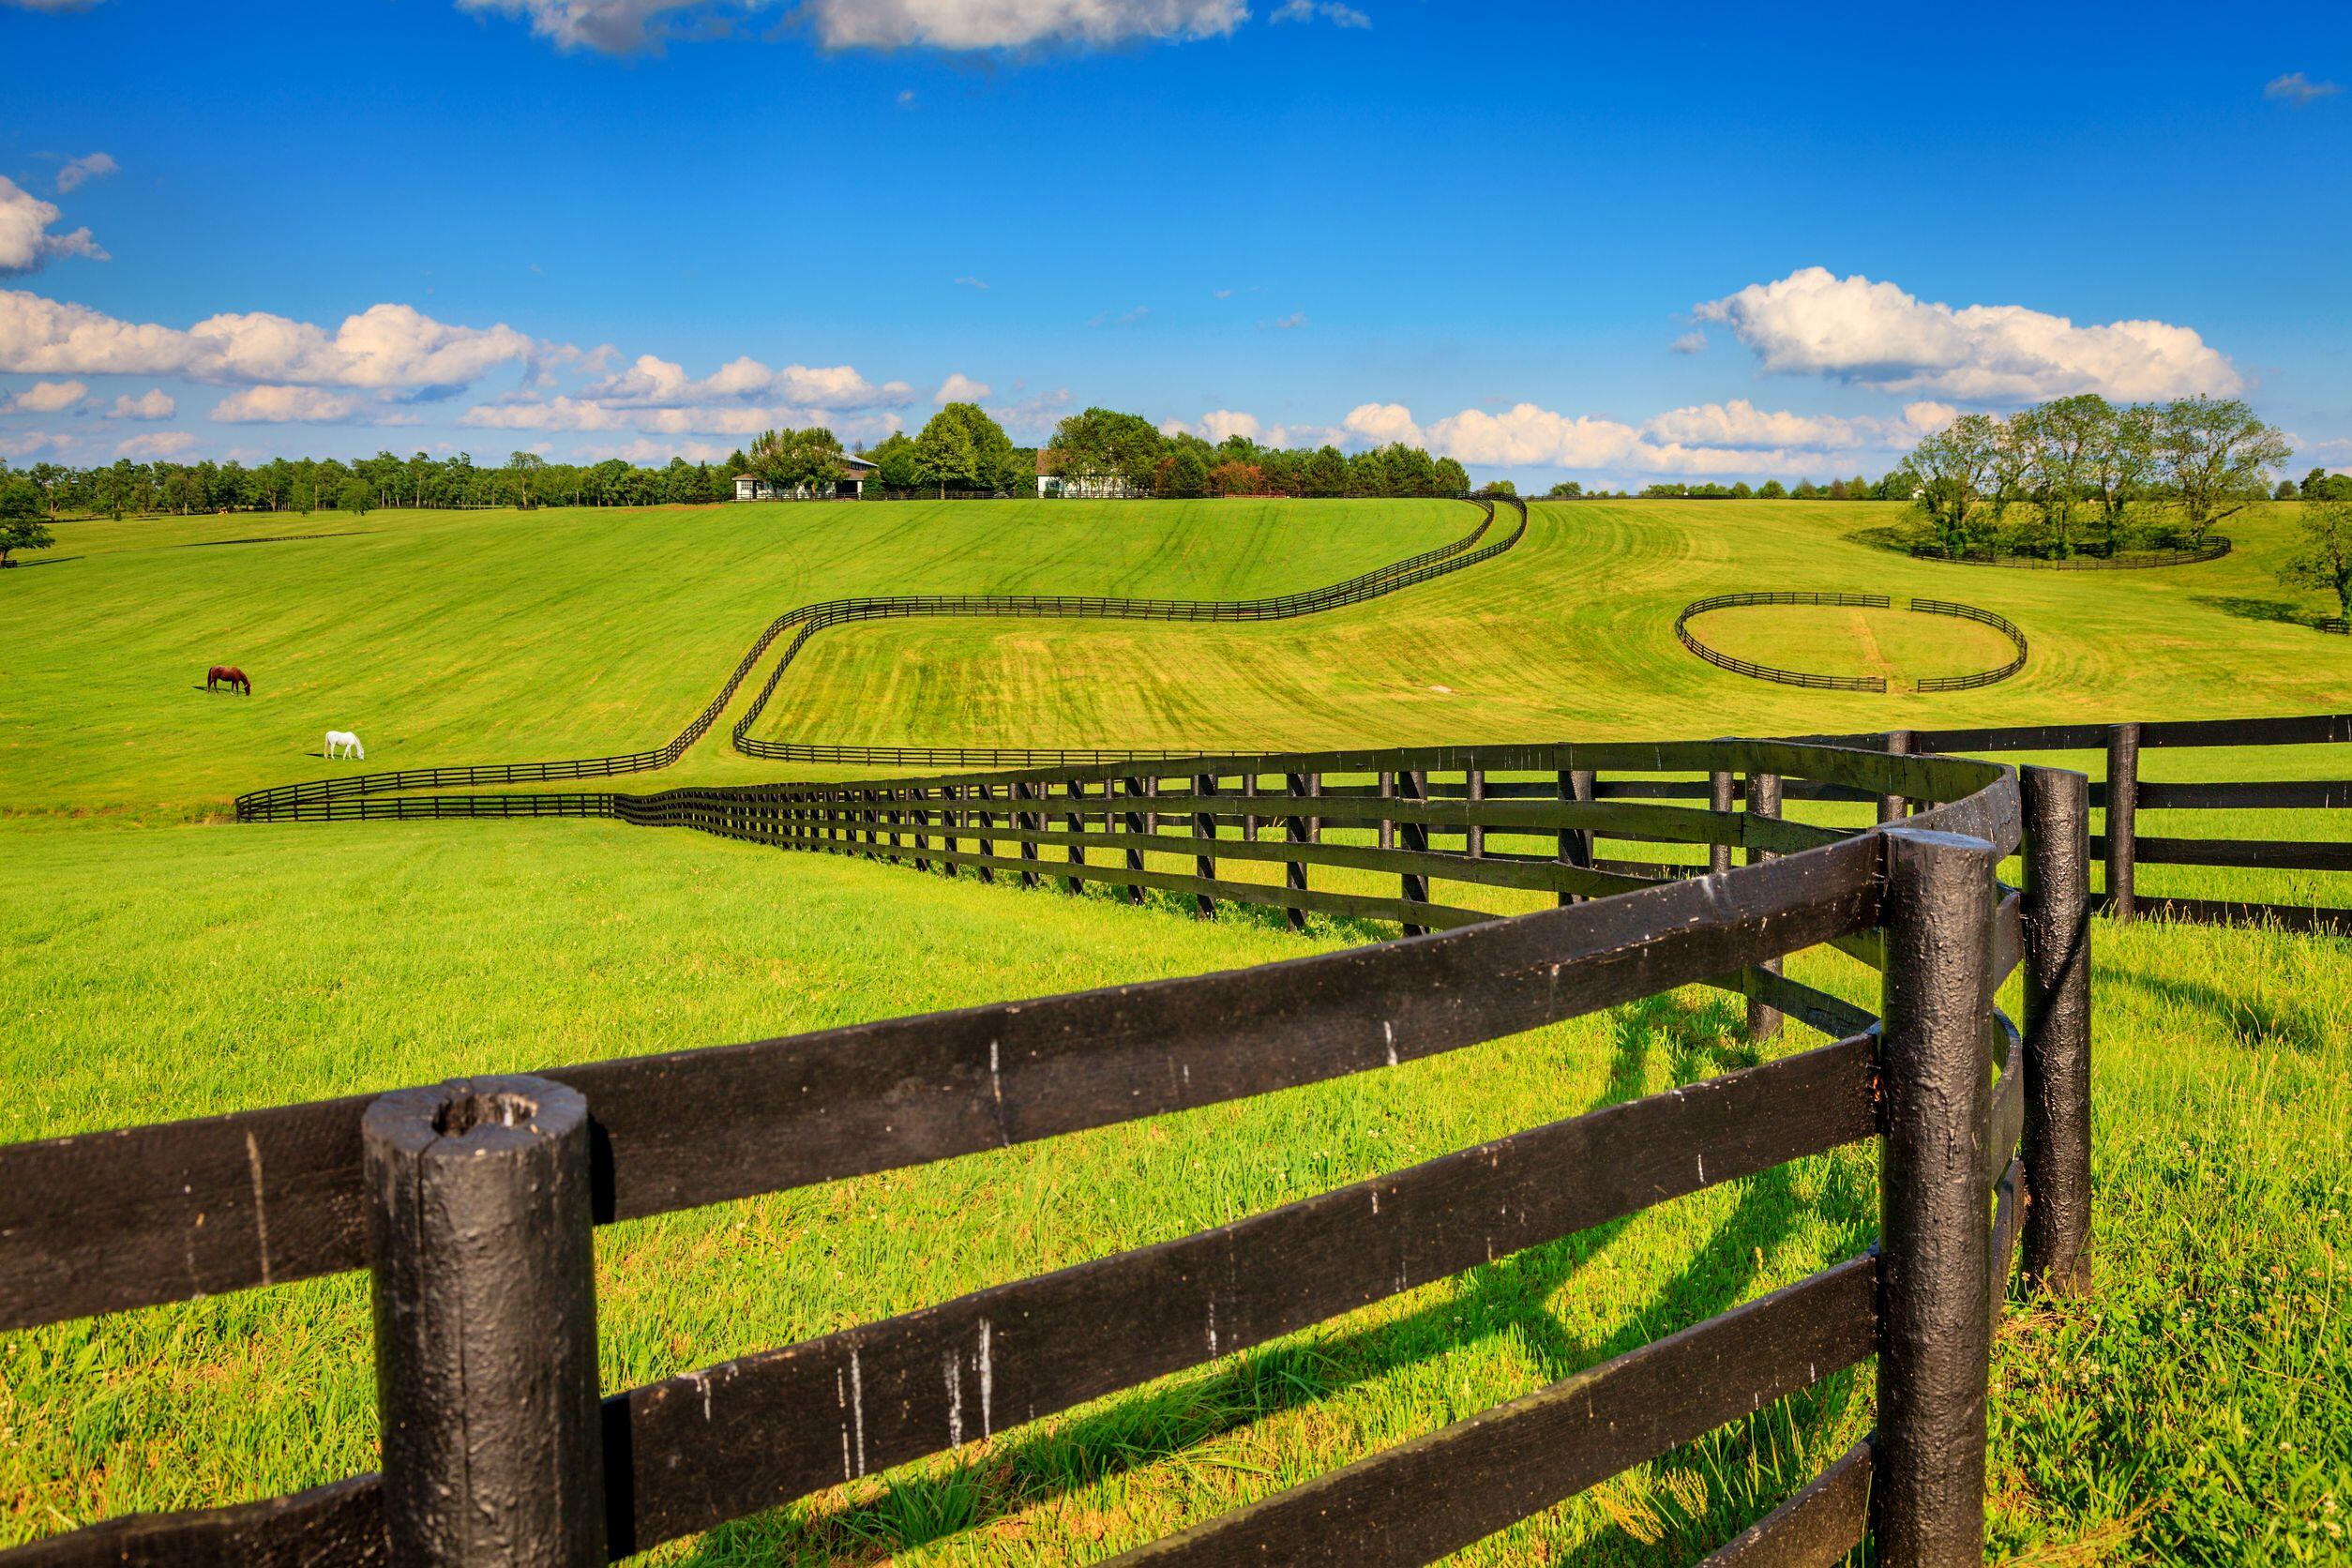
(484, 1289)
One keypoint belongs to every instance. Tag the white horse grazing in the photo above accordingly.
(349, 742)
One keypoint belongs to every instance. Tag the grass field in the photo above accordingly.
(2190, 1410)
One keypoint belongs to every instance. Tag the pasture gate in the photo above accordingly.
(472, 1201)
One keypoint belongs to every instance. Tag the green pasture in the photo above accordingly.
(162, 964)
(503, 636)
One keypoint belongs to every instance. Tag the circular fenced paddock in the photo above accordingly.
(1816, 682)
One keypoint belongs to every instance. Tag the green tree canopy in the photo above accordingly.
(1102, 441)
(962, 448)
(798, 462)
(2323, 555)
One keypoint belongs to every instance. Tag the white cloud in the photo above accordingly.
(626, 26)
(1330, 11)
(154, 403)
(971, 283)
(1690, 343)
(1382, 423)
(385, 346)
(19, 445)
(562, 413)
(645, 450)
(2298, 90)
(78, 171)
(1733, 438)
(157, 444)
(960, 388)
(25, 243)
(654, 382)
(963, 24)
(1285, 324)
(48, 397)
(1852, 329)
(286, 405)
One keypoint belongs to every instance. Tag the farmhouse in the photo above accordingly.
(750, 486)
(1055, 479)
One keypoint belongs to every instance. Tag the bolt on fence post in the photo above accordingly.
(1891, 808)
(484, 1288)
(2057, 1030)
(1720, 797)
(1204, 828)
(1763, 801)
(1413, 788)
(1935, 1241)
(1077, 824)
(1297, 829)
(1133, 788)
(2123, 809)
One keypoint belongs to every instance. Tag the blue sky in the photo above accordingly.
(1558, 241)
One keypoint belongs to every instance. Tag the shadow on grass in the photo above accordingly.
(2254, 1024)
(2276, 610)
(1714, 1481)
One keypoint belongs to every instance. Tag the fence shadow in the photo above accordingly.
(1510, 1297)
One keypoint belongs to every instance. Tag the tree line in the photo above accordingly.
(2083, 476)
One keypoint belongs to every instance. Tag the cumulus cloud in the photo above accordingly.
(609, 26)
(655, 383)
(1703, 439)
(1873, 334)
(154, 403)
(563, 413)
(26, 244)
(157, 444)
(1690, 343)
(2298, 90)
(960, 388)
(286, 405)
(79, 172)
(646, 450)
(48, 397)
(18, 444)
(1219, 423)
(1382, 423)
(383, 347)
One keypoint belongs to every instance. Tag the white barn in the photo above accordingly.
(750, 486)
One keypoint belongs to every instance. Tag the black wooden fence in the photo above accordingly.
(1858, 601)
(2123, 795)
(472, 1201)
(2211, 549)
(263, 805)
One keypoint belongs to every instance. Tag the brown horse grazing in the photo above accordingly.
(228, 675)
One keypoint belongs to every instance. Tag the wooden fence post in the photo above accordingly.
(1474, 792)
(1763, 802)
(1028, 821)
(1388, 824)
(1249, 817)
(1297, 829)
(1575, 844)
(484, 1291)
(1891, 808)
(2123, 809)
(985, 844)
(1133, 788)
(2057, 980)
(1076, 822)
(950, 826)
(1935, 1232)
(1720, 796)
(921, 814)
(1413, 788)
(1204, 828)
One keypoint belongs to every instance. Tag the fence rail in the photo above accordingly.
(102, 1222)
(278, 803)
(1858, 601)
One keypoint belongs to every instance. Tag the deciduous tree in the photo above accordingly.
(2323, 557)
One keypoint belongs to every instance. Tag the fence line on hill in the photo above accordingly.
(2001, 623)
(271, 804)
(472, 1202)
